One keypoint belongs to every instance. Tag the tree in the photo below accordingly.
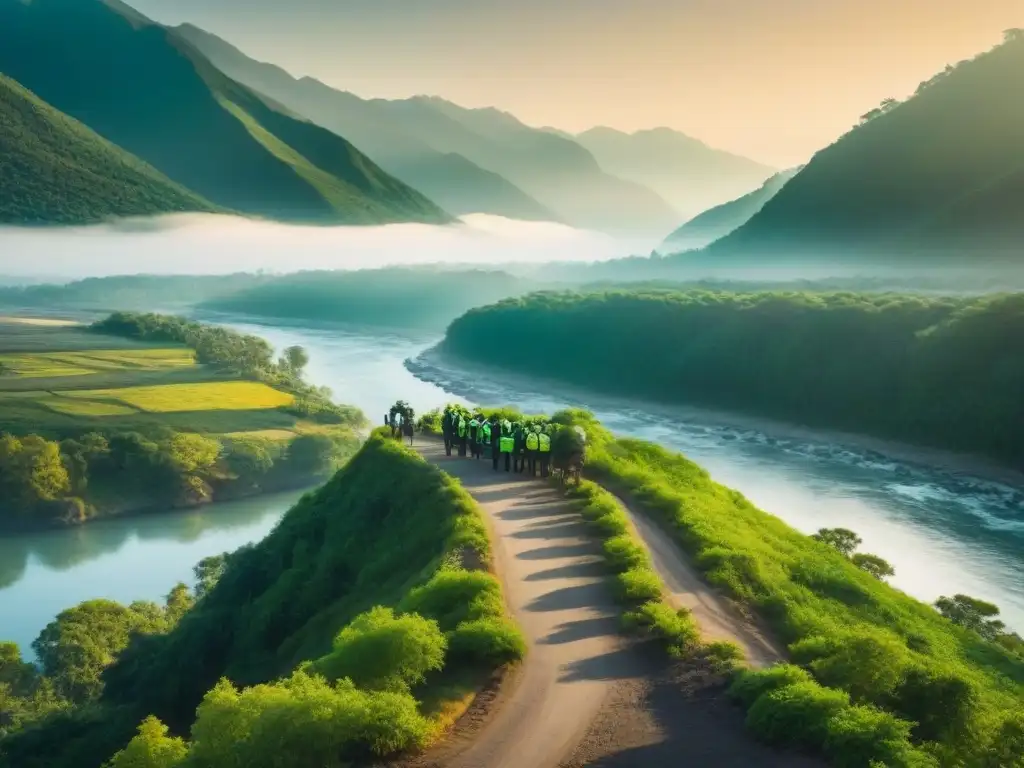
(32, 471)
(208, 572)
(311, 454)
(296, 359)
(842, 540)
(179, 602)
(152, 747)
(381, 651)
(873, 564)
(1013, 35)
(77, 646)
(972, 613)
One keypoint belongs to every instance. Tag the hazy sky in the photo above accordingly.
(774, 79)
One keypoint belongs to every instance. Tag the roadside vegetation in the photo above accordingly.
(145, 412)
(934, 371)
(877, 677)
(360, 627)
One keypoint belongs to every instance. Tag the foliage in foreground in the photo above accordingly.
(921, 689)
(315, 646)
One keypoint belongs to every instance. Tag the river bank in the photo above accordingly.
(966, 466)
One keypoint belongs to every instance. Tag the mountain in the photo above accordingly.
(723, 219)
(507, 167)
(153, 94)
(688, 173)
(453, 181)
(55, 170)
(942, 170)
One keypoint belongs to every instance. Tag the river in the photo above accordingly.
(944, 533)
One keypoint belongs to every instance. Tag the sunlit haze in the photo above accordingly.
(772, 79)
(199, 244)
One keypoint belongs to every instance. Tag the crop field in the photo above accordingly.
(206, 396)
(58, 381)
(270, 435)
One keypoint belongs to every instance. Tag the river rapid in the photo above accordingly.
(944, 532)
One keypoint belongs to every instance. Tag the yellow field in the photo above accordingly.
(57, 364)
(211, 396)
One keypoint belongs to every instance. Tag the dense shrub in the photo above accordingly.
(862, 736)
(750, 684)
(796, 715)
(493, 640)
(381, 651)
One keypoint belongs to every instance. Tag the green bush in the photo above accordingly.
(495, 640)
(869, 667)
(751, 684)
(638, 585)
(381, 651)
(302, 721)
(724, 655)
(942, 703)
(796, 715)
(675, 629)
(623, 553)
(455, 596)
(151, 748)
(862, 736)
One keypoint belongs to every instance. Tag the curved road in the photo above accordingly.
(556, 585)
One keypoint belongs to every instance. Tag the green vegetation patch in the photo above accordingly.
(918, 687)
(93, 408)
(211, 396)
(339, 635)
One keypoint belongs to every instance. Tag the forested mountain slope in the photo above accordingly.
(949, 157)
(433, 143)
(55, 170)
(688, 173)
(452, 180)
(150, 92)
(719, 221)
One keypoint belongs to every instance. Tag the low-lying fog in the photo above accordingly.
(201, 244)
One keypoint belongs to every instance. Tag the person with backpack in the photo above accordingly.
(506, 444)
(532, 449)
(544, 451)
(462, 430)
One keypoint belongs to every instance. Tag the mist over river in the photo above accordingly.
(943, 532)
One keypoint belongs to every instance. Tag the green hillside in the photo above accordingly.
(151, 93)
(55, 170)
(452, 180)
(719, 221)
(685, 171)
(455, 154)
(950, 158)
(378, 576)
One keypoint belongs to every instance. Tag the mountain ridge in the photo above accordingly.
(56, 170)
(895, 183)
(558, 175)
(154, 95)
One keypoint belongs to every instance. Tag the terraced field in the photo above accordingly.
(56, 380)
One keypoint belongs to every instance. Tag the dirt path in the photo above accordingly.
(717, 618)
(585, 695)
(556, 586)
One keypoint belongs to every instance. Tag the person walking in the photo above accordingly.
(463, 433)
(474, 443)
(495, 440)
(446, 430)
(506, 444)
(532, 449)
(544, 451)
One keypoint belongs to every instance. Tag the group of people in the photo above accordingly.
(520, 446)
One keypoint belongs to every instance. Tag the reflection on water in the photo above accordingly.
(125, 559)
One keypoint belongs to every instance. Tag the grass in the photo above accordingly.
(60, 364)
(57, 170)
(208, 396)
(270, 435)
(891, 653)
(92, 408)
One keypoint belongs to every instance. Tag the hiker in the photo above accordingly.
(506, 444)
(463, 433)
(544, 450)
(495, 435)
(519, 452)
(446, 430)
(533, 448)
